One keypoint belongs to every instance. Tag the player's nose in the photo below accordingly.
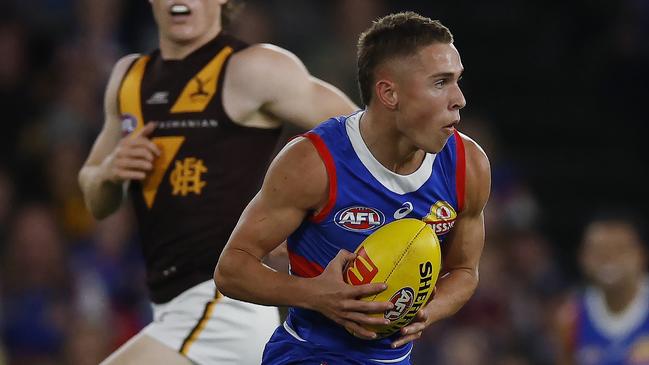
(457, 99)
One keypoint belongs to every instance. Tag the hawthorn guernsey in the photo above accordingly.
(364, 196)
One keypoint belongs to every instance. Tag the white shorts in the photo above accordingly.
(210, 328)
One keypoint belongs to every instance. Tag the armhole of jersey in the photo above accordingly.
(121, 83)
(460, 170)
(328, 160)
(221, 86)
(131, 87)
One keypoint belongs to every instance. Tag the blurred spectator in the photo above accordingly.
(608, 322)
(111, 279)
(555, 93)
(36, 288)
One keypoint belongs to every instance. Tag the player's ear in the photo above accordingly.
(386, 93)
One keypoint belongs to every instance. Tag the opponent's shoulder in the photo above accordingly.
(122, 66)
(120, 69)
(267, 61)
(478, 173)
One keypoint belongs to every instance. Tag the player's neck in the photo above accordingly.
(174, 50)
(619, 298)
(388, 146)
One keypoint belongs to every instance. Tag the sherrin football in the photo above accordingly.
(405, 255)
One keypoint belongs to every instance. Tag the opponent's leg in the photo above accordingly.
(142, 350)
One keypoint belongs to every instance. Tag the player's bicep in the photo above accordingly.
(466, 242)
(464, 246)
(111, 132)
(285, 89)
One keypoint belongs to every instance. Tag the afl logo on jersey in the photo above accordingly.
(359, 219)
(441, 217)
(129, 123)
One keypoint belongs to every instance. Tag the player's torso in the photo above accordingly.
(603, 339)
(209, 169)
(367, 196)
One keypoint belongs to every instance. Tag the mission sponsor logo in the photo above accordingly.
(359, 219)
(441, 217)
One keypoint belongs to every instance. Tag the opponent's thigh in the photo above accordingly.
(143, 349)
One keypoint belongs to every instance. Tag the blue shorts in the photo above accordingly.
(283, 349)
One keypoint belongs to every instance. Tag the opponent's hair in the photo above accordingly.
(394, 35)
(230, 10)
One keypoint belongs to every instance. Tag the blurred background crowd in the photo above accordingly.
(556, 95)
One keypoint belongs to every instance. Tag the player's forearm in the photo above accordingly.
(452, 291)
(101, 195)
(240, 276)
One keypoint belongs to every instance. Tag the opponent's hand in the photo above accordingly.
(341, 302)
(132, 158)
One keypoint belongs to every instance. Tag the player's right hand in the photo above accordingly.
(341, 302)
(132, 158)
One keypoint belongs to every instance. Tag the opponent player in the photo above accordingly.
(608, 323)
(204, 113)
(325, 192)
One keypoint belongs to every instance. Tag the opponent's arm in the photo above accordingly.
(271, 79)
(113, 159)
(295, 185)
(459, 276)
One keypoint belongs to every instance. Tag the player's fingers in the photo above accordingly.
(341, 259)
(364, 319)
(357, 331)
(145, 143)
(370, 307)
(359, 291)
(145, 131)
(132, 164)
(405, 339)
(413, 328)
(140, 153)
(130, 175)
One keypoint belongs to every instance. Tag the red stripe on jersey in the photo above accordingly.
(303, 267)
(325, 155)
(460, 170)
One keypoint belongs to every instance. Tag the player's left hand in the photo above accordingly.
(413, 331)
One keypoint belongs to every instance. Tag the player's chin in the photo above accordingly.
(183, 34)
(433, 145)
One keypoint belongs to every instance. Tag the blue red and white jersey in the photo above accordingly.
(363, 196)
(604, 338)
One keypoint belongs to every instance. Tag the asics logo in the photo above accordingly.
(405, 209)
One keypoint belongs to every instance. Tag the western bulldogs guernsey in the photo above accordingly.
(363, 195)
(601, 338)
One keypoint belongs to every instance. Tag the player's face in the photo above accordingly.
(187, 21)
(612, 254)
(429, 96)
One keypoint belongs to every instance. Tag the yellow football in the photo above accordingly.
(404, 254)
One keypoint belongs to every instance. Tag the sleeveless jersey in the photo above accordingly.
(601, 338)
(364, 195)
(209, 169)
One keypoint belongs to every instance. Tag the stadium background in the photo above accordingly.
(556, 92)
